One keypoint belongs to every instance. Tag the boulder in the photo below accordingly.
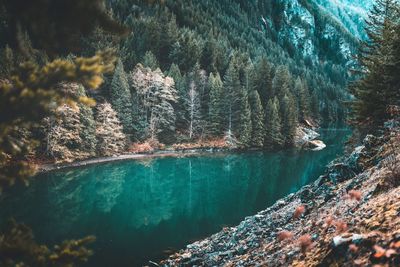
(340, 172)
(353, 161)
(346, 239)
(306, 138)
(314, 145)
(304, 135)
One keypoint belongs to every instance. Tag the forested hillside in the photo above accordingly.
(246, 73)
(351, 13)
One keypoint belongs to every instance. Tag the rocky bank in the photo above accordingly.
(350, 216)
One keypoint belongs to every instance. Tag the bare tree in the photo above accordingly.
(193, 102)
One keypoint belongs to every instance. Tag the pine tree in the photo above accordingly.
(181, 85)
(70, 131)
(168, 35)
(121, 98)
(262, 81)
(139, 116)
(158, 96)
(245, 126)
(187, 50)
(193, 105)
(88, 131)
(394, 67)
(374, 91)
(231, 87)
(282, 82)
(7, 60)
(289, 122)
(257, 120)
(162, 110)
(64, 142)
(215, 112)
(175, 73)
(304, 98)
(109, 132)
(208, 58)
(150, 61)
(273, 135)
(315, 104)
(200, 79)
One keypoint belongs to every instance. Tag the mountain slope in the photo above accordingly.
(313, 43)
(350, 13)
(246, 73)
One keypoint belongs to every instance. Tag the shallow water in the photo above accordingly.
(143, 210)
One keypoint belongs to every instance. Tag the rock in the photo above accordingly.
(186, 255)
(353, 161)
(304, 135)
(315, 145)
(228, 253)
(306, 138)
(306, 194)
(329, 195)
(345, 239)
(392, 124)
(370, 141)
(340, 172)
(280, 203)
(194, 262)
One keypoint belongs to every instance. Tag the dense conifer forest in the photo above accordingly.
(243, 72)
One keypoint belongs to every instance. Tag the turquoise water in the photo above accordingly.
(143, 210)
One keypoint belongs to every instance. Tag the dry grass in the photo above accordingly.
(210, 143)
(148, 146)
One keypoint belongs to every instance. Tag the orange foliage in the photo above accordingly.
(305, 243)
(329, 221)
(147, 147)
(355, 195)
(141, 148)
(341, 226)
(353, 248)
(299, 211)
(379, 251)
(212, 143)
(390, 252)
(395, 244)
(283, 235)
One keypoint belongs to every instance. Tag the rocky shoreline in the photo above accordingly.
(350, 216)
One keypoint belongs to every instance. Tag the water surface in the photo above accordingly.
(142, 210)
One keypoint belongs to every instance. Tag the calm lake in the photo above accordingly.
(143, 210)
